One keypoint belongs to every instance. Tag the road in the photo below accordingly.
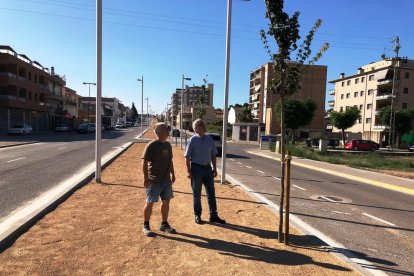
(28, 171)
(373, 223)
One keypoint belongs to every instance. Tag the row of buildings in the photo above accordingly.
(34, 95)
(370, 89)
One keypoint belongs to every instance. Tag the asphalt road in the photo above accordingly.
(28, 171)
(373, 223)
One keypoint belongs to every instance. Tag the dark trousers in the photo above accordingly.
(203, 175)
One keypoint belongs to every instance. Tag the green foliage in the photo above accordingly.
(403, 119)
(345, 119)
(245, 115)
(299, 113)
(134, 111)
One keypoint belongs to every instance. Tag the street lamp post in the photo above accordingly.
(89, 97)
(226, 92)
(98, 90)
(147, 108)
(182, 109)
(142, 105)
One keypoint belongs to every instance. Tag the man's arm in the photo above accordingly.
(145, 172)
(188, 164)
(214, 161)
(172, 172)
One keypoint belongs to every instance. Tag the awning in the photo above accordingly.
(380, 75)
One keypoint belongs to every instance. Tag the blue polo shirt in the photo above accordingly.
(200, 150)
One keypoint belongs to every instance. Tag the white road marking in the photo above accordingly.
(296, 186)
(384, 221)
(248, 167)
(328, 199)
(343, 213)
(240, 163)
(277, 178)
(62, 148)
(231, 159)
(16, 159)
(259, 171)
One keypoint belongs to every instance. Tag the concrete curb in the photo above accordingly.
(338, 250)
(20, 144)
(21, 220)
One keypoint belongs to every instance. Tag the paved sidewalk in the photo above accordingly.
(98, 231)
(390, 182)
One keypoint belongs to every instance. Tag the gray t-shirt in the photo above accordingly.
(159, 157)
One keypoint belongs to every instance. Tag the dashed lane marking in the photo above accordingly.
(240, 163)
(381, 220)
(260, 171)
(62, 148)
(277, 178)
(248, 167)
(328, 199)
(17, 159)
(300, 188)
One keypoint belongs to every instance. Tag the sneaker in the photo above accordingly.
(217, 219)
(167, 228)
(198, 220)
(147, 231)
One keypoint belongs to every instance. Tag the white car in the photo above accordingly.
(61, 127)
(20, 129)
(411, 149)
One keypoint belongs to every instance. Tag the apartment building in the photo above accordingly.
(262, 101)
(371, 89)
(29, 93)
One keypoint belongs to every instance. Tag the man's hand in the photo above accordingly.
(189, 175)
(173, 178)
(147, 183)
(214, 172)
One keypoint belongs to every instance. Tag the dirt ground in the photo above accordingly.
(98, 230)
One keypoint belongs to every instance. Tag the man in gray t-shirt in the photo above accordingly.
(159, 175)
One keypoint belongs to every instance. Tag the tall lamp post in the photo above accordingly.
(147, 108)
(226, 92)
(182, 109)
(98, 90)
(142, 104)
(89, 97)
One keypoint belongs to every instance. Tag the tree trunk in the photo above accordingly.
(343, 136)
(282, 160)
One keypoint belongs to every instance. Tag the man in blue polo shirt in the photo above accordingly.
(200, 154)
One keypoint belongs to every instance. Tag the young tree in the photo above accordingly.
(403, 119)
(298, 113)
(245, 115)
(345, 119)
(134, 111)
(284, 29)
(201, 102)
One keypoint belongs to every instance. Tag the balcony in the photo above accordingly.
(386, 82)
(8, 75)
(329, 126)
(254, 97)
(331, 103)
(383, 97)
(380, 127)
(331, 92)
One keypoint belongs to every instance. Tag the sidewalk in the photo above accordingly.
(399, 184)
(98, 231)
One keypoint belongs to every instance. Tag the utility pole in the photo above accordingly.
(182, 109)
(89, 97)
(142, 105)
(147, 108)
(397, 48)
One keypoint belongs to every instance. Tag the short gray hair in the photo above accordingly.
(197, 122)
(158, 128)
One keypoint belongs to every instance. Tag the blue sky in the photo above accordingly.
(163, 39)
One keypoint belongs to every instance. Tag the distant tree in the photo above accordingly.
(201, 111)
(134, 111)
(345, 119)
(299, 113)
(245, 115)
(403, 120)
(285, 32)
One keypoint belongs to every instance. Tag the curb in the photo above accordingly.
(336, 249)
(21, 144)
(368, 181)
(19, 222)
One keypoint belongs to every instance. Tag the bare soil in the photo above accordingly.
(98, 230)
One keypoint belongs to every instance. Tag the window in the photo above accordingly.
(362, 79)
(356, 80)
(370, 92)
(35, 97)
(341, 109)
(368, 120)
(342, 96)
(404, 106)
(369, 106)
(371, 77)
(35, 78)
(343, 84)
(407, 75)
(348, 82)
(361, 93)
(360, 107)
(405, 90)
(348, 95)
(29, 76)
(359, 121)
(30, 96)
(355, 94)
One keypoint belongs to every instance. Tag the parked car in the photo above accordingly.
(20, 129)
(92, 127)
(175, 133)
(217, 141)
(129, 124)
(83, 128)
(61, 127)
(362, 145)
(411, 149)
(119, 125)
